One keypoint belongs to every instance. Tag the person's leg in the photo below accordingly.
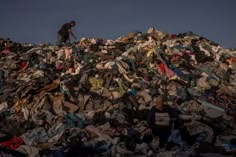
(163, 134)
(59, 39)
(160, 133)
(67, 41)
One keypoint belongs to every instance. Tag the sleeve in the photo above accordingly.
(68, 26)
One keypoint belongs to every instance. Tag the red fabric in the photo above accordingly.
(175, 57)
(162, 67)
(172, 36)
(60, 66)
(13, 143)
(68, 66)
(185, 52)
(23, 65)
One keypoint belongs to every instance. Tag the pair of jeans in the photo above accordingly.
(61, 40)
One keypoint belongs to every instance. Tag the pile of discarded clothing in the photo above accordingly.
(93, 98)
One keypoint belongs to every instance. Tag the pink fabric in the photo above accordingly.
(6, 51)
(169, 72)
(164, 69)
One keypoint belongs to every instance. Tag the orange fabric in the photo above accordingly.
(232, 59)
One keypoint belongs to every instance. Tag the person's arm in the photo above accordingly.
(150, 116)
(69, 30)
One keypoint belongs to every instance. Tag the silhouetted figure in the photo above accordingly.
(63, 35)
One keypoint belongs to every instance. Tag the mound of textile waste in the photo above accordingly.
(93, 98)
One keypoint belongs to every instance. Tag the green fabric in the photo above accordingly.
(65, 92)
(178, 47)
(122, 88)
(73, 121)
(190, 48)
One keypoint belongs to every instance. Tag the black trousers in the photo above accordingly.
(162, 132)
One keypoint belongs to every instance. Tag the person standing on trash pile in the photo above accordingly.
(159, 121)
(63, 35)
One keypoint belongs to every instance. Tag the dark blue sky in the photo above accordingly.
(37, 21)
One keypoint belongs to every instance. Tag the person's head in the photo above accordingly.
(159, 102)
(72, 23)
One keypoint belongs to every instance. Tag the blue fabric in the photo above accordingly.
(57, 153)
(201, 137)
(130, 62)
(179, 73)
(133, 92)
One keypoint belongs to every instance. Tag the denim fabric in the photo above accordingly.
(61, 40)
